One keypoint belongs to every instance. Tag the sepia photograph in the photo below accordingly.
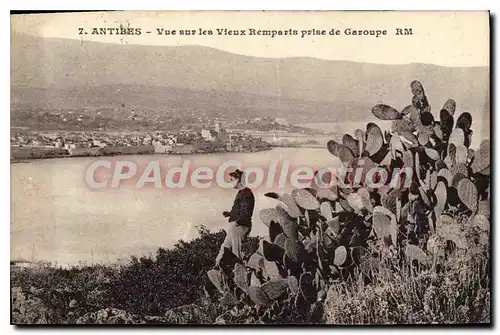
(250, 167)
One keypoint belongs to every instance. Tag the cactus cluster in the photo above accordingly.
(320, 235)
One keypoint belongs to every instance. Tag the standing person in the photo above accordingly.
(240, 217)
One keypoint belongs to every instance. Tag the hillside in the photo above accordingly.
(64, 72)
(164, 99)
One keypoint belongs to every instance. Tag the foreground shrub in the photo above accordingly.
(144, 286)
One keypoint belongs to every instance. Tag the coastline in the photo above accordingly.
(27, 154)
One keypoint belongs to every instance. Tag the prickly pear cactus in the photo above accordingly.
(320, 236)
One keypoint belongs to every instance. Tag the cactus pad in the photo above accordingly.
(467, 192)
(254, 281)
(267, 215)
(461, 168)
(432, 154)
(402, 125)
(388, 200)
(365, 199)
(396, 146)
(345, 205)
(484, 208)
(291, 206)
(438, 132)
(340, 256)
(280, 240)
(293, 284)
(271, 269)
(360, 137)
(408, 139)
(457, 137)
(374, 139)
(305, 199)
(427, 119)
(441, 193)
(334, 225)
(215, 277)
(293, 250)
(306, 284)
(342, 152)
(328, 193)
(482, 222)
(291, 230)
(456, 178)
(355, 201)
(423, 139)
(258, 296)
(450, 106)
(384, 222)
(482, 157)
(460, 154)
(240, 277)
(275, 288)
(408, 109)
(228, 258)
(229, 299)
(272, 195)
(271, 252)
(447, 175)
(326, 210)
(416, 87)
(351, 143)
(408, 159)
(464, 122)
(274, 230)
(255, 261)
(434, 180)
(385, 112)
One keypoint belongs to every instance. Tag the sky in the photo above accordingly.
(443, 38)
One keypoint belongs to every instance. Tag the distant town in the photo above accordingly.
(190, 139)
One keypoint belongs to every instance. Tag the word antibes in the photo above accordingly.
(111, 31)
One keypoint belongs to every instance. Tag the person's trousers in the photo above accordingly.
(235, 236)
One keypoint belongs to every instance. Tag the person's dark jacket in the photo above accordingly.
(242, 209)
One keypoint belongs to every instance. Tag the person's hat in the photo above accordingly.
(236, 174)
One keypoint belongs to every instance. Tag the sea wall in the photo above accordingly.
(37, 152)
(133, 150)
(32, 152)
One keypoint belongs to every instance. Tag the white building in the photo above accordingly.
(207, 135)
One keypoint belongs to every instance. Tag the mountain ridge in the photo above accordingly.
(187, 46)
(59, 64)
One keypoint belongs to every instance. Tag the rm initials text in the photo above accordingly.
(404, 31)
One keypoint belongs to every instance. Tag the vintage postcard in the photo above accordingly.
(250, 168)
